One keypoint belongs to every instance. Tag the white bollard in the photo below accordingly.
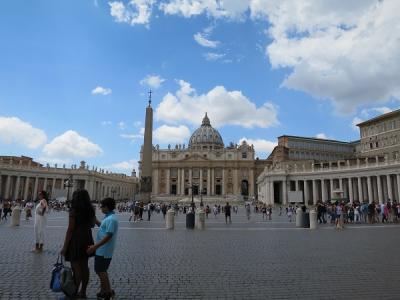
(15, 216)
(170, 219)
(201, 219)
(299, 217)
(313, 219)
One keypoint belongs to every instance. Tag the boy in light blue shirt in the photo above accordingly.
(104, 246)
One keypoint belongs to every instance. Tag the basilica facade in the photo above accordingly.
(205, 167)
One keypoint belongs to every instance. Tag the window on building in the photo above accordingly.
(244, 154)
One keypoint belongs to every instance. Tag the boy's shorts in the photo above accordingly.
(101, 264)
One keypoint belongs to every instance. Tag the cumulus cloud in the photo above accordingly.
(135, 12)
(369, 113)
(321, 136)
(171, 134)
(122, 125)
(261, 147)
(202, 40)
(125, 165)
(356, 120)
(132, 137)
(344, 51)
(210, 56)
(153, 81)
(223, 107)
(101, 91)
(71, 144)
(106, 123)
(15, 131)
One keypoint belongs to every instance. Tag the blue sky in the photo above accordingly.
(74, 75)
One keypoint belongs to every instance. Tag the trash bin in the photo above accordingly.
(190, 220)
(306, 220)
(170, 219)
(313, 219)
(299, 218)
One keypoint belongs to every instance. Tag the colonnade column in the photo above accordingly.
(178, 181)
(201, 181)
(26, 188)
(271, 192)
(168, 181)
(54, 186)
(360, 193)
(183, 181)
(323, 190)
(223, 182)
(284, 192)
(380, 196)
(212, 182)
(306, 196)
(350, 190)
(35, 189)
(190, 181)
(235, 182)
(209, 182)
(398, 187)
(331, 191)
(389, 187)
(296, 185)
(7, 189)
(16, 190)
(369, 186)
(315, 191)
(45, 185)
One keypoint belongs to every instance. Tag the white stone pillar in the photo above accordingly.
(306, 196)
(168, 183)
(297, 185)
(315, 191)
(16, 190)
(212, 182)
(271, 192)
(341, 184)
(178, 181)
(54, 186)
(360, 193)
(235, 182)
(379, 183)
(331, 191)
(398, 187)
(223, 182)
(183, 182)
(389, 187)
(251, 183)
(369, 186)
(201, 181)
(35, 189)
(208, 182)
(7, 188)
(351, 198)
(284, 192)
(45, 185)
(26, 189)
(323, 190)
(190, 181)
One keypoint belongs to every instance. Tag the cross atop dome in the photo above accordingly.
(206, 121)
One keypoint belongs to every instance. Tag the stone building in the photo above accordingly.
(23, 178)
(370, 171)
(206, 166)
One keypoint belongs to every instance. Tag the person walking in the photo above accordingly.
(149, 206)
(104, 246)
(227, 210)
(248, 211)
(78, 238)
(40, 221)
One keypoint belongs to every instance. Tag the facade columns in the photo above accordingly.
(16, 190)
(183, 183)
(223, 182)
(54, 186)
(251, 182)
(351, 198)
(235, 182)
(35, 189)
(389, 187)
(271, 192)
(331, 191)
(201, 181)
(323, 190)
(360, 194)
(212, 182)
(26, 189)
(398, 187)
(296, 185)
(45, 185)
(306, 196)
(168, 184)
(178, 181)
(190, 181)
(369, 186)
(208, 182)
(380, 195)
(315, 191)
(7, 189)
(284, 192)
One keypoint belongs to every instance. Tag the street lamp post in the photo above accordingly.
(68, 183)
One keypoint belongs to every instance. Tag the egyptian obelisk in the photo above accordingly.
(147, 159)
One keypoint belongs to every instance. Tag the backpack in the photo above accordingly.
(55, 281)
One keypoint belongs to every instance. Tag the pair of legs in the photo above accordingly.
(101, 265)
(228, 217)
(81, 275)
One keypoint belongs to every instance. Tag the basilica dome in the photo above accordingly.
(206, 137)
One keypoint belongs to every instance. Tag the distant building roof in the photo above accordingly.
(380, 117)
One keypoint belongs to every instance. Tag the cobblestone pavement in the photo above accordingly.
(253, 259)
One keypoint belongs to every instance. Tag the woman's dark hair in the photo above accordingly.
(82, 207)
(108, 202)
(45, 195)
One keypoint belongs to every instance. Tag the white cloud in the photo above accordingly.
(15, 131)
(201, 39)
(354, 123)
(223, 107)
(210, 56)
(346, 51)
(374, 111)
(106, 123)
(261, 147)
(125, 167)
(132, 137)
(136, 11)
(71, 144)
(122, 125)
(321, 136)
(101, 91)
(153, 81)
(171, 134)
(137, 124)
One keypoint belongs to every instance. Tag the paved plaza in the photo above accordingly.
(253, 259)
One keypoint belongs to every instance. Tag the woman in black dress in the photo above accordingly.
(78, 238)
